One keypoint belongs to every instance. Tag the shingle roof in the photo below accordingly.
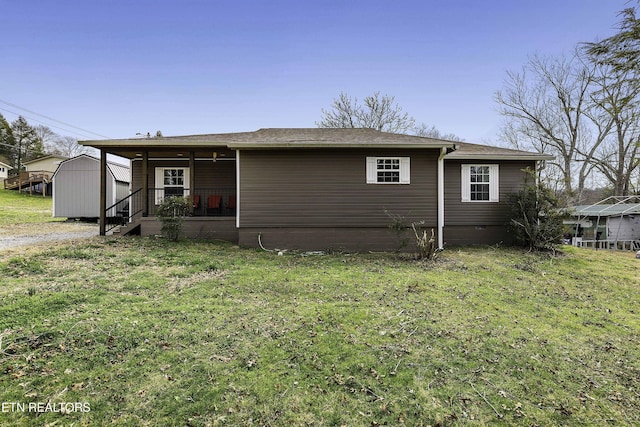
(283, 137)
(468, 151)
(319, 138)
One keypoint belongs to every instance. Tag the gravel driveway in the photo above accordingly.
(35, 234)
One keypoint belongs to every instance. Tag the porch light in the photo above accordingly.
(215, 155)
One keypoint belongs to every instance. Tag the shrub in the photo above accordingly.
(171, 212)
(535, 219)
(426, 243)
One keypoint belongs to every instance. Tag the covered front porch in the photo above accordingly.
(205, 176)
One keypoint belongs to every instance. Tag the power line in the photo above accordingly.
(44, 123)
(51, 118)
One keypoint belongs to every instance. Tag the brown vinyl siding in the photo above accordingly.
(208, 174)
(458, 213)
(327, 188)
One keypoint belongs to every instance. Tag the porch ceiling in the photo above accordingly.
(167, 152)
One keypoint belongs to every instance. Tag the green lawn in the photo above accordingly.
(144, 332)
(21, 208)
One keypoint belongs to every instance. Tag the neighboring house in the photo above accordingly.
(4, 172)
(612, 223)
(37, 175)
(319, 188)
(47, 164)
(76, 187)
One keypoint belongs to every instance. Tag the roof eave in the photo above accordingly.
(257, 145)
(499, 157)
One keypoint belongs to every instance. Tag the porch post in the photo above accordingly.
(192, 178)
(103, 192)
(145, 183)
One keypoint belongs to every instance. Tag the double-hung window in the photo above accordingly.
(388, 170)
(171, 181)
(480, 183)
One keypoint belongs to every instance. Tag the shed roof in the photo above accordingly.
(120, 172)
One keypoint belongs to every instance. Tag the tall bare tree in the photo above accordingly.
(616, 107)
(617, 96)
(379, 112)
(546, 106)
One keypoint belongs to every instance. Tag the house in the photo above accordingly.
(321, 188)
(36, 176)
(612, 223)
(47, 164)
(76, 187)
(4, 172)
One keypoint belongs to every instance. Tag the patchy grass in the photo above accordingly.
(196, 333)
(21, 208)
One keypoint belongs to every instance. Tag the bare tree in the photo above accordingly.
(617, 96)
(431, 132)
(379, 112)
(616, 109)
(46, 136)
(546, 107)
(68, 146)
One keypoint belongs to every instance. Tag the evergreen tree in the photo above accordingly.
(27, 145)
(6, 139)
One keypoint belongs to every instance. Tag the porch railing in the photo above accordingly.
(123, 211)
(202, 202)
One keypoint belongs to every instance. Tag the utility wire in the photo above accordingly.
(47, 124)
(51, 118)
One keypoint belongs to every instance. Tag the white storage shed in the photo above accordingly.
(76, 186)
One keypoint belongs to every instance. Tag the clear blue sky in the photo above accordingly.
(118, 67)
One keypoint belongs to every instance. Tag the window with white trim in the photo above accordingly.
(388, 170)
(171, 181)
(480, 183)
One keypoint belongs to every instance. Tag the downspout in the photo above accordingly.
(443, 152)
(237, 188)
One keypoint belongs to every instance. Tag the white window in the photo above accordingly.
(171, 182)
(388, 170)
(480, 183)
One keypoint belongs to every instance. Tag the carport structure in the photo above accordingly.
(612, 223)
